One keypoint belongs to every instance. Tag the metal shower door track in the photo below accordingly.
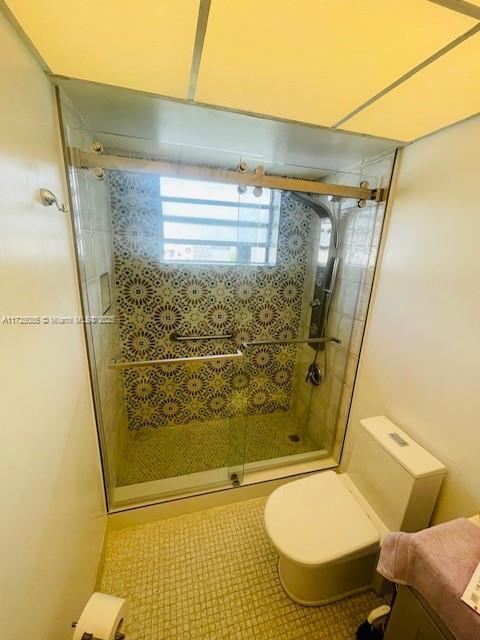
(91, 160)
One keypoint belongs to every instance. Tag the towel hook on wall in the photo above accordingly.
(48, 199)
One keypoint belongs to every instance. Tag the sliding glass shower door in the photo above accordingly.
(215, 295)
(188, 255)
(277, 430)
(199, 274)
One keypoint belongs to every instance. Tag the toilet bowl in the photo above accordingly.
(327, 528)
(324, 552)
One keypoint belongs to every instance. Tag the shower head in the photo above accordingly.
(321, 210)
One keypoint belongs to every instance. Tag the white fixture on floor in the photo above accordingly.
(102, 618)
(327, 528)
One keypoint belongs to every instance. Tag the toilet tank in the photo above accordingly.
(397, 477)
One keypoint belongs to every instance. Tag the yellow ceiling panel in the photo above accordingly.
(442, 93)
(140, 44)
(316, 60)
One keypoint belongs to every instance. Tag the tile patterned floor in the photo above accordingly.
(212, 576)
(166, 452)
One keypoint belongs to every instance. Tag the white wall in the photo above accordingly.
(420, 363)
(52, 515)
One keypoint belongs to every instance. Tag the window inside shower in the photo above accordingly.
(210, 222)
(201, 380)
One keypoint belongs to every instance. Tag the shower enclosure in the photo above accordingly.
(226, 320)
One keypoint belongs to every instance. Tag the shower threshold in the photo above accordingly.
(199, 483)
(166, 463)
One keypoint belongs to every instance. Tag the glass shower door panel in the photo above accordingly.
(176, 255)
(188, 254)
(178, 433)
(276, 311)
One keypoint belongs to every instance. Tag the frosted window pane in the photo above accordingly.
(236, 230)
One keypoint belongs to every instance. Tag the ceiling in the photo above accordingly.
(397, 70)
(139, 123)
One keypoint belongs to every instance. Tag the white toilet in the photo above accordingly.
(327, 528)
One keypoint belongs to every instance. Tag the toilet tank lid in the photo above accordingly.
(408, 453)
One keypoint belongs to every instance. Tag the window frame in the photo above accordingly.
(206, 221)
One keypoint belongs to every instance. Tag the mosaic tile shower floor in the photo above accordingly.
(166, 452)
(212, 575)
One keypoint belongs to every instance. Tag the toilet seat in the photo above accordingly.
(316, 521)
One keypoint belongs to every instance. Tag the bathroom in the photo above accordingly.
(213, 289)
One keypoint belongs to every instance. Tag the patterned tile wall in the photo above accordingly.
(155, 299)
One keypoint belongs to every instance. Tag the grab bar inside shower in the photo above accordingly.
(176, 337)
(169, 361)
(222, 356)
(258, 343)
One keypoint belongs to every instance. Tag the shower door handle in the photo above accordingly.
(176, 337)
(264, 343)
(137, 364)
